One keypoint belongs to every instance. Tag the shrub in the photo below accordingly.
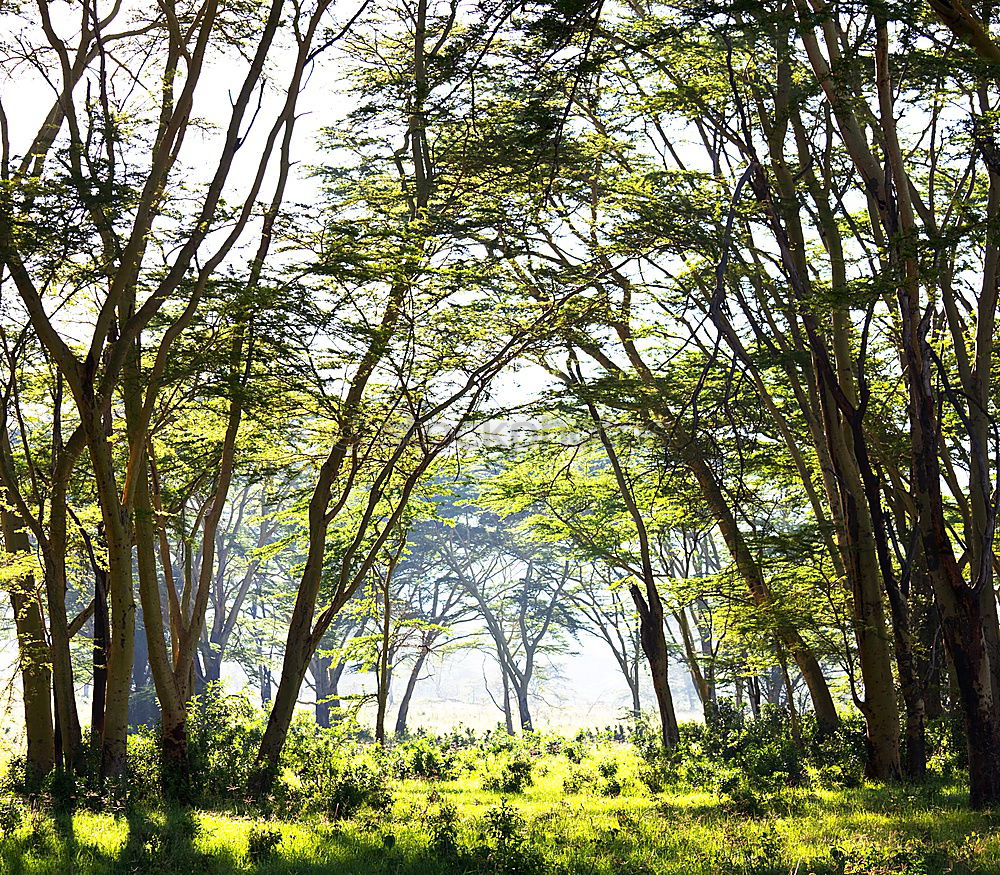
(12, 815)
(656, 776)
(736, 756)
(426, 759)
(443, 828)
(579, 780)
(509, 850)
(262, 842)
(910, 857)
(752, 853)
(224, 733)
(355, 787)
(512, 777)
(611, 787)
(607, 768)
(575, 753)
(837, 759)
(948, 752)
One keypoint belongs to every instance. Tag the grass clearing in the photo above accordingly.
(571, 818)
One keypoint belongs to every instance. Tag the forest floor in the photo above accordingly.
(455, 826)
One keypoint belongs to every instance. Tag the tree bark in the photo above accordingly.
(33, 653)
(411, 684)
(653, 639)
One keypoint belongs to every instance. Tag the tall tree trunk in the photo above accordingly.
(411, 685)
(706, 694)
(383, 664)
(321, 677)
(633, 687)
(99, 659)
(960, 604)
(266, 680)
(508, 716)
(33, 653)
(175, 769)
(117, 533)
(63, 686)
(523, 709)
(753, 694)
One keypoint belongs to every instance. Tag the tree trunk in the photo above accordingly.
(67, 717)
(654, 645)
(383, 664)
(523, 711)
(265, 686)
(706, 693)
(114, 736)
(633, 688)
(753, 694)
(33, 654)
(411, 684)
(99, 658)
(508, 716)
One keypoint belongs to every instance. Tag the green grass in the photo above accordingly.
(875, 829)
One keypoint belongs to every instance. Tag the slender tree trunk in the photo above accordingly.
(99, 660)
(411, 685)
(633, 687)
(705, 693)
(523, 709)
(117, 533)
(70, 746)
(753, 694)
(328, 681)
(508, 716)
(383, 664)
(266, 680)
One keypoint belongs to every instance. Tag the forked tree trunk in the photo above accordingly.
(653, 639)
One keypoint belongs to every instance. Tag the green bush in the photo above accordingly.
(224, 733)
(752, 853)
(579, 780)
(508, 850)
(426, 759)
(262, 842)
(575, 752)
(512, 777)
(443, 828)
(12, 814)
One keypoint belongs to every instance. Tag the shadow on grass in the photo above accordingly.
(166, 841)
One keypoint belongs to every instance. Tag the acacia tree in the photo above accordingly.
(68, 185)
(432, 329)
(519, 590)
(436, 608)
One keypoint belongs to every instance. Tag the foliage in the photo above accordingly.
(262, 842)
(508, 775)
